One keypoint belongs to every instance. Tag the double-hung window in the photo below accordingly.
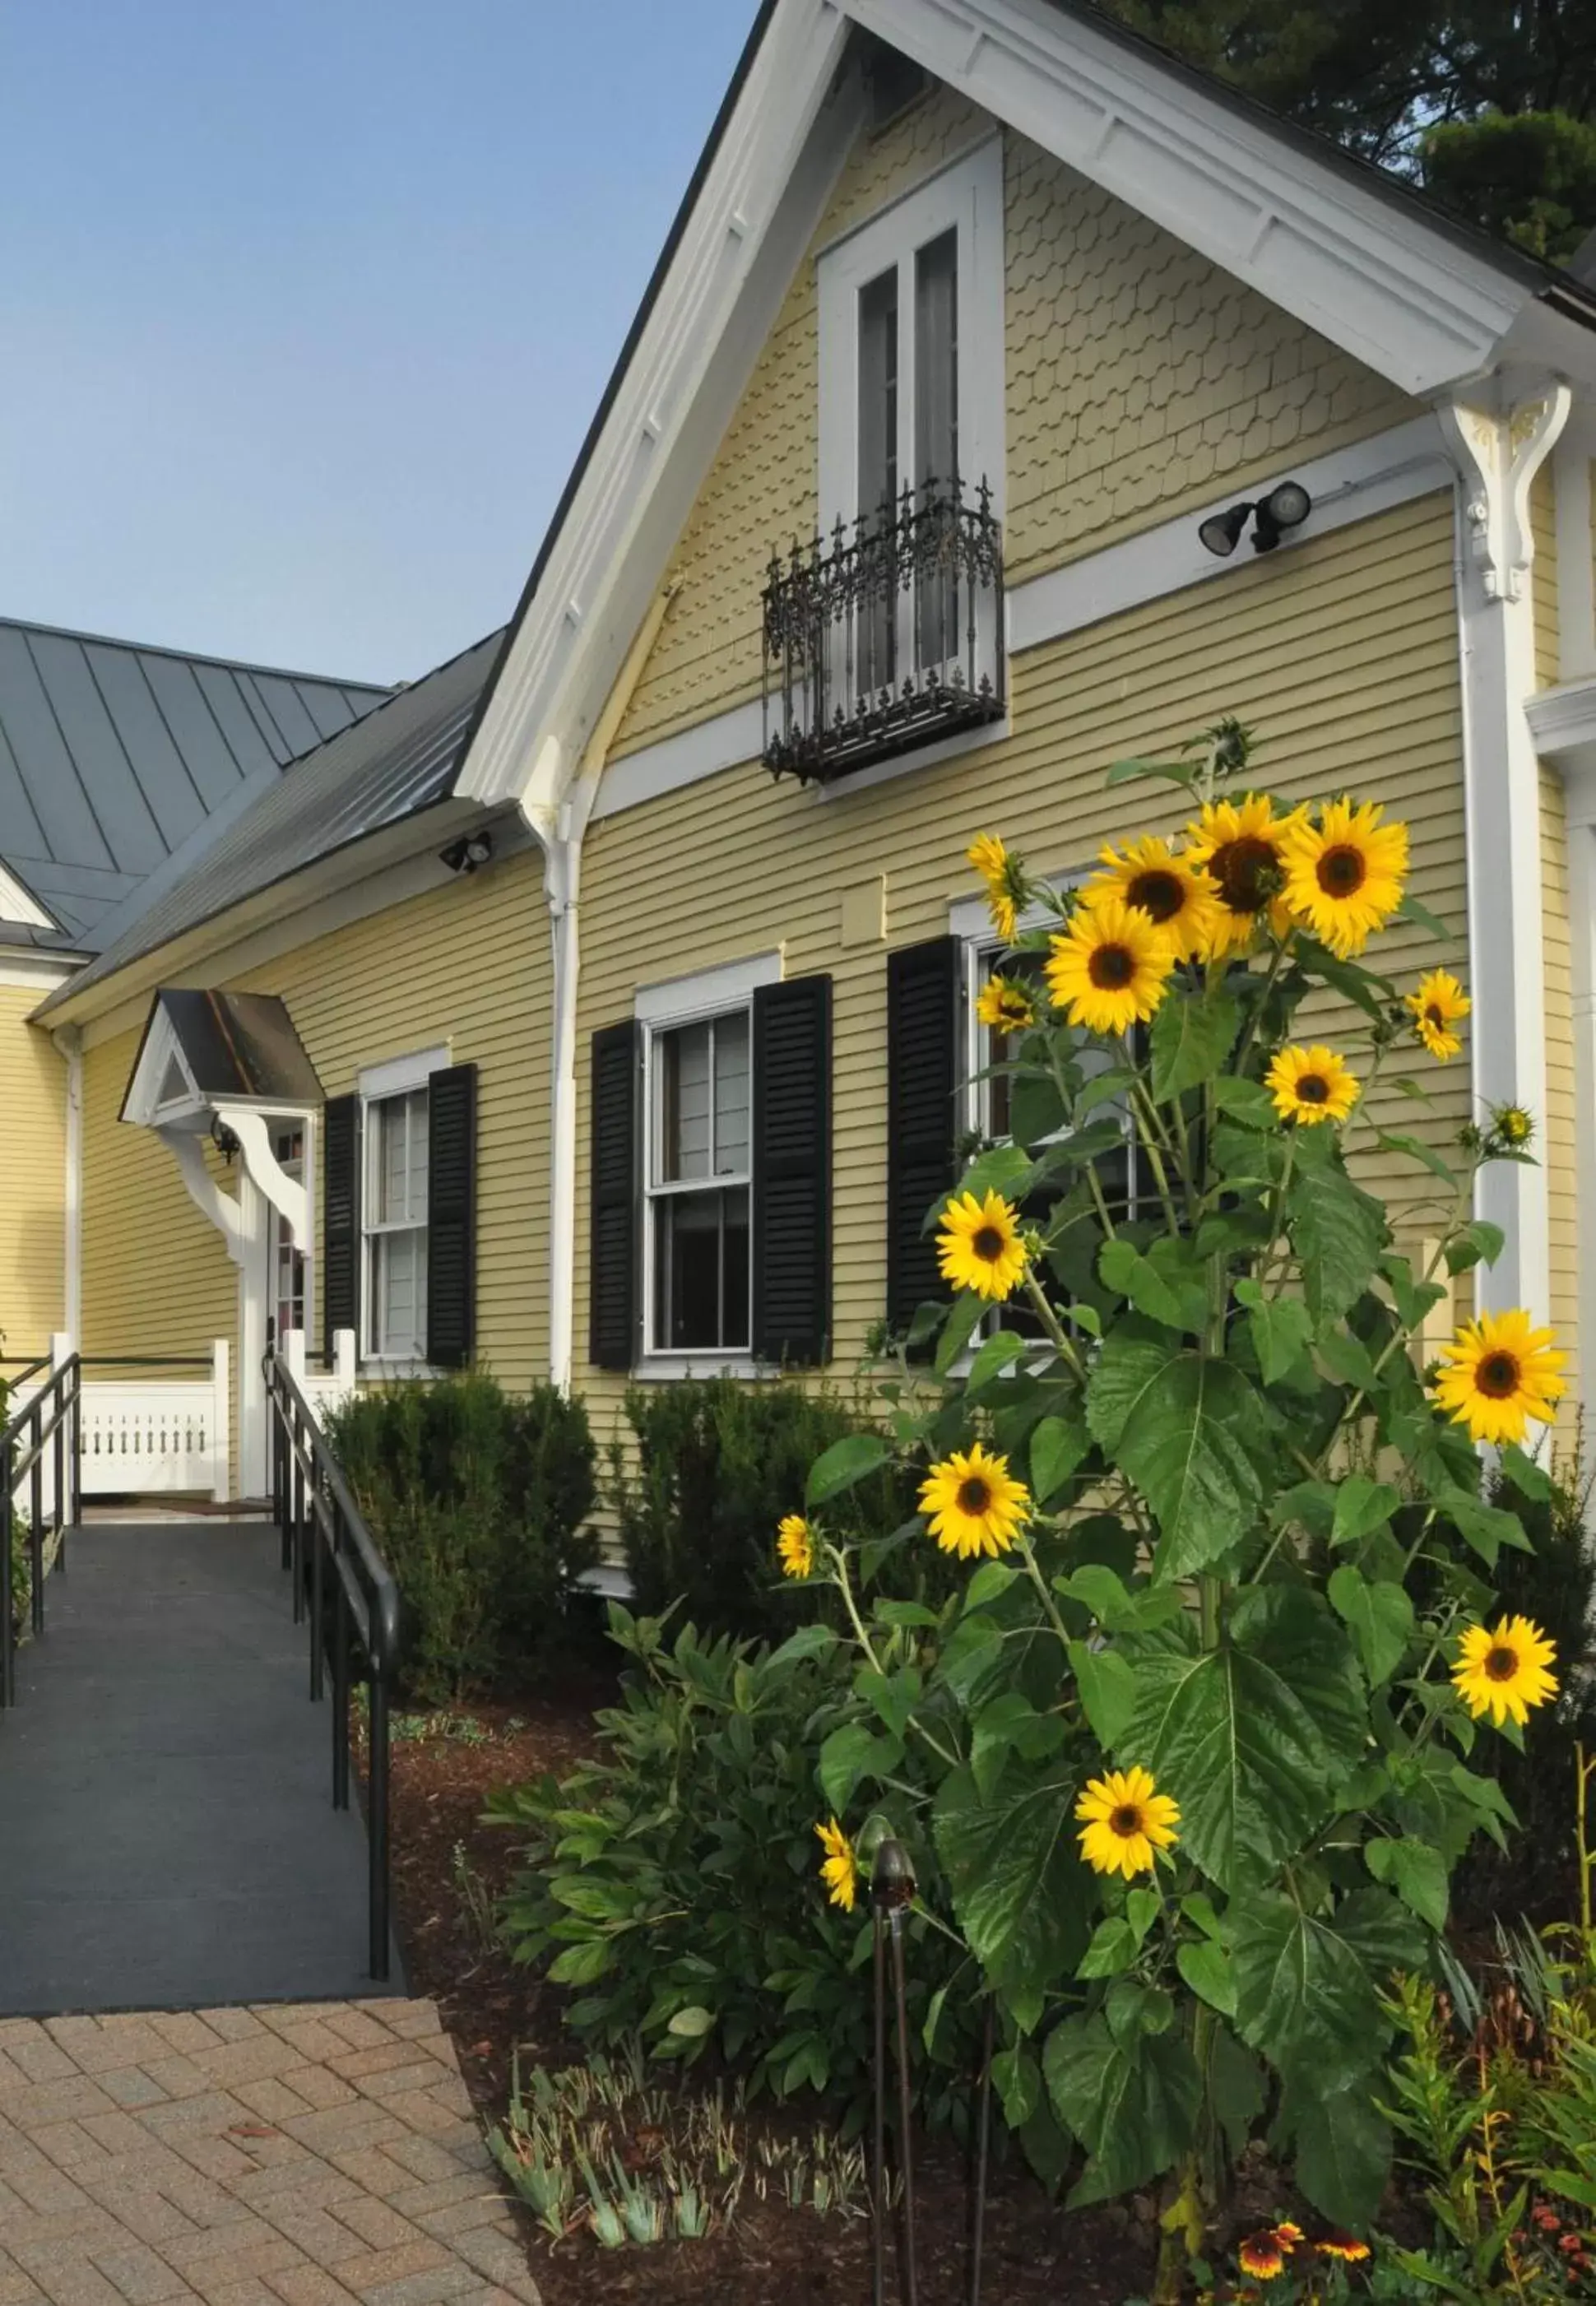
(290, 1308)
(394, 1206)
(699, 1184)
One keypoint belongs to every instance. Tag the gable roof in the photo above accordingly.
(1369, 261)
(396, 761)
(113, 756)
(233, 1045)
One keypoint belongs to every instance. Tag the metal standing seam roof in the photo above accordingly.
(399, 758)
(114, 755)
(235, 1044)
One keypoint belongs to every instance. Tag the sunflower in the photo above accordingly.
(1343, 875)
(1126, 1819)
(1439, 1003)
(1007, 1005)
(1110, 969)
(1005, 882)
(1503, 1672)
(979, 1246)
(795, 1544)
(1498, 1373)
(1345, 2247)
(1311, 1085)
(1171, 891)
(1261, 2256)
(973, 1504)
(1512, 1126)
(1241, 847)
(839, 1868)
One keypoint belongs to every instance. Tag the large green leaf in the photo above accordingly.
(1290, 1628)
(1416, 1872)
(1343, 2151)
(1381, 1617)
(1125, 1269)
(1192, 1035)
(1225, 1735)
(1023, 1896)
(1057, 1447)
(1182, 1444)
(846, 1462)
(1307, 1986)
(1133, 1358)
(1280, 1329)
(1107, 1689)
(1132, 2104)
(1337, 1230)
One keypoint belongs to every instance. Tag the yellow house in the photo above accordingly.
(1007, 398)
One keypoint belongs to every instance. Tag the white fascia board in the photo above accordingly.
(760, 205)
(35, 971)
(1407, 300)
(19, 903)
(1563, 723)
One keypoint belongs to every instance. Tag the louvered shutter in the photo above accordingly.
(791, 1222)
(922, 1074)
(614, 1226)
(451, 1217)
(340, 1206)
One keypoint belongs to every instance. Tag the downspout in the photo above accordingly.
(562, 884)
(69, 1042)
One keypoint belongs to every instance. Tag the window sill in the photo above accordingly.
(923, 756)
(392, 1368)
(665, 1367)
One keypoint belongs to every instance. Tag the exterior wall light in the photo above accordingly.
(1285, 507)
(224, 1139)
(468, 854)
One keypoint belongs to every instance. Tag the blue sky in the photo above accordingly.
(308, 303)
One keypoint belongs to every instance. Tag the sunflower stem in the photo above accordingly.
(1052, 1324)
(1034, 1570)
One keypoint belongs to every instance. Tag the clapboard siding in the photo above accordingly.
(32, 1178)
(1140, 381)
(1343, 656)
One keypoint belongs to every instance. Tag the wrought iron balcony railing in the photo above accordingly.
(886, 636)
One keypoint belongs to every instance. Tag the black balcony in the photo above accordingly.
(887, 636)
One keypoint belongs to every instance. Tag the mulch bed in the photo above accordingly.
(446, 1860)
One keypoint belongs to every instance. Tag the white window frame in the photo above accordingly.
(697, 1000)
(278, 1235)
(377, 1084)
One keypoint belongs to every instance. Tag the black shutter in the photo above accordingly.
(340, 1205)
(923, 986)
(792, 1170)
(612, 1310)
(451, 1217)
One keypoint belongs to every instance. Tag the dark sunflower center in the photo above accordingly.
(974, 1496)
(1156, 892)
(1126, 1821)
(1497, 1377)
(1501, 1663)
(1342, 872)
(1313, 1088)
(1435, 1016)
(987, 1244)
(1112, 968)
(1248, 872)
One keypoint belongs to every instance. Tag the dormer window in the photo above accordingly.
(885, 630)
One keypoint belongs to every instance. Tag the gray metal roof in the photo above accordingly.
(113, 756)
(397, 759)
(235, 1044)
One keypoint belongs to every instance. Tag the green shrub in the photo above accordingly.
(675, 1880)
(477, 1499)
(718, 1463)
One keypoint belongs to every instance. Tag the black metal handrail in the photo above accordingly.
(348, 1592)
(886, 635)
(22, 1458)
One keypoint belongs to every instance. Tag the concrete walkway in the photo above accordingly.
(276, 2156)
(167, 1835)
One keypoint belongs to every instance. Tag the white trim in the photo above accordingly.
(34, 972)
(1576, 559)
(1349, 485)
(670, 1368)
(1580, 796)
(969, 919)
(396, 1074)
(18, 903)
(683, 999)
(1563, 723)
(1498, 454)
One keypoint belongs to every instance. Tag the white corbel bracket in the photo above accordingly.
(1499, 456)
(286, 1195)
(216, 1208)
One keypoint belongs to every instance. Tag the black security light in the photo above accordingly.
(469, 853)
(223, 1139)
(1286, 506)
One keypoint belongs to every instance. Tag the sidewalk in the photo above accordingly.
(305, 2155)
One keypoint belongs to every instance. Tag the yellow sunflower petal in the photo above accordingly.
(1125, 1821)
(973, 1504)
(1438, 1005)
(839, 1868)
(979, 1246)
(795, 1545)
(1344, 874)
(1505, 1671)
(1240, 845)
(1176, 895)
(1497, 1373)
(1110, 968)
(1311, 1085)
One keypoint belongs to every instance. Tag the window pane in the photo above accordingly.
(936, 440)
(684, 1090)
(998, 1048)
(731, 1095)
(701, 1271)
(399, 1159)
(399, 1291)
(877, 629)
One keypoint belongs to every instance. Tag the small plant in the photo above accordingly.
(475, 1898)
(597, 2147)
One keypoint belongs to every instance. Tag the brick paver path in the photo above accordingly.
(308, 2154)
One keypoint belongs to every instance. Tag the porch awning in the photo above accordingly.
(208, 1048)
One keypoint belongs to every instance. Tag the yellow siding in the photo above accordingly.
(32, 1179)
(1343, 656)
(467, 964)
(1140, 381)
(1543, 579)
(1560, 1152)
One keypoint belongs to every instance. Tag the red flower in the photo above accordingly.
(1261, 2256)
(1346, 2247)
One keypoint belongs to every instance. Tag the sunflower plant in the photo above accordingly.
(1187, 1763)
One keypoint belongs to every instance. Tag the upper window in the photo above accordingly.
(395, 1220)
(289, 1304)
(889, 631)
(698, 1185)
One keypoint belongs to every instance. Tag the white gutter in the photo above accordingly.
(562, 886)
